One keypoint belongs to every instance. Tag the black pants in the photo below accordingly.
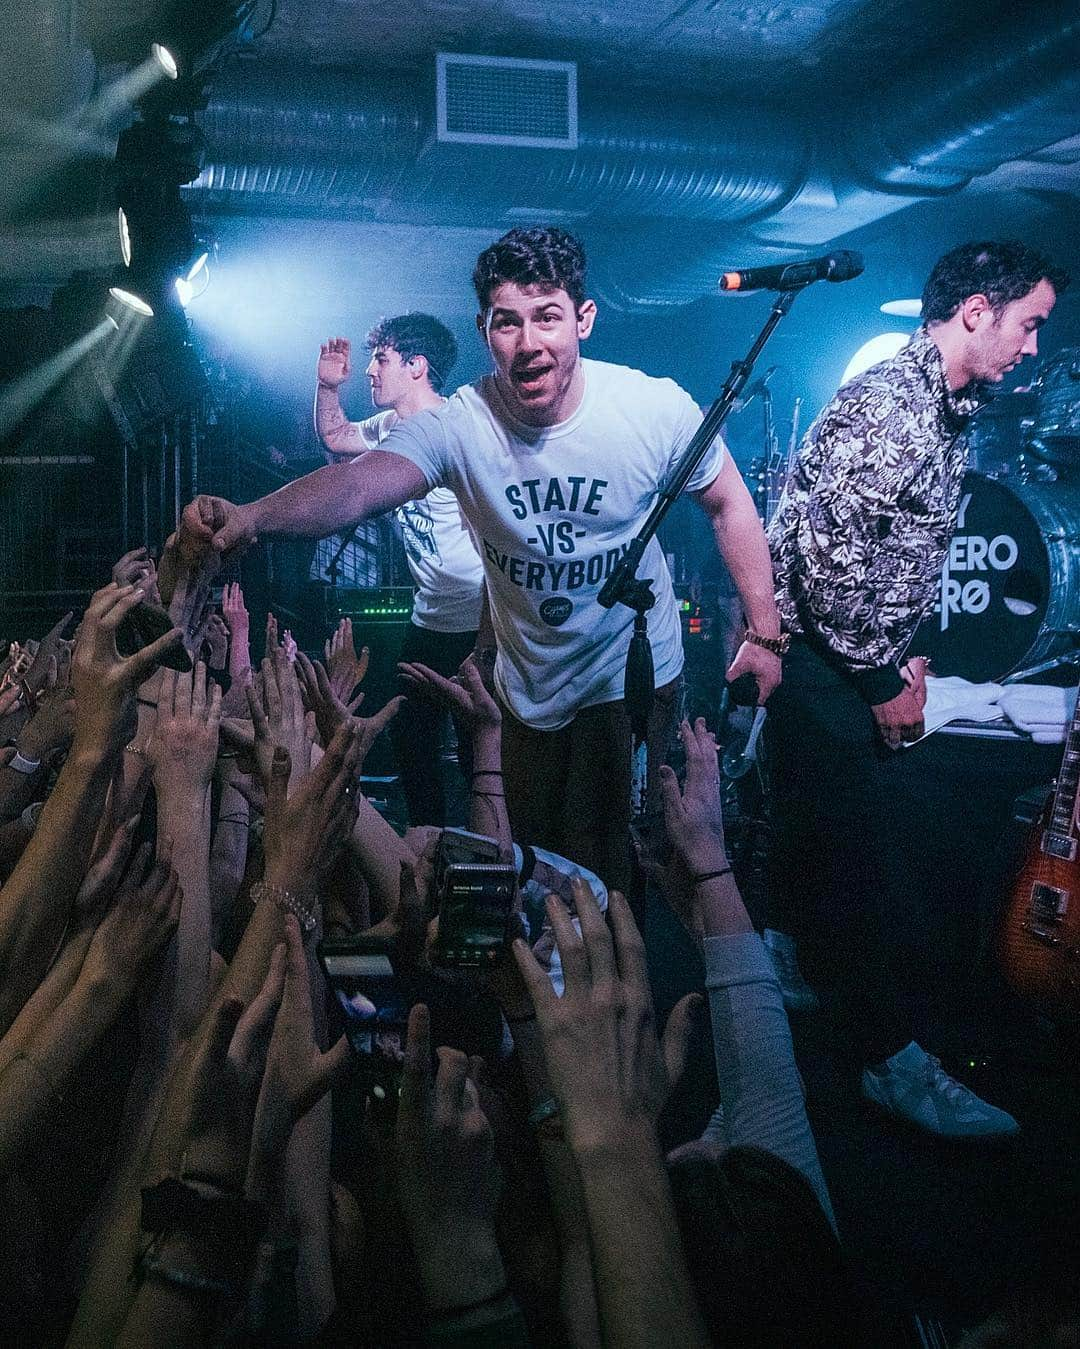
(851, 865)
(418, 731)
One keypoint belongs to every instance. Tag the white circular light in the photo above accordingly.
(132, 302)
(125, 237)
(880, 348)
(165, 60)
(197, 266)
(185, 290)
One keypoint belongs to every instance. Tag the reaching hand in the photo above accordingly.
(344, 667)
(448, 1181)
(53, 724)
(184, 744)
(331, 712)
(297, 1073)
(137, 924)
(104, 680)
(464, 695)
(288, 645)
(304, 832)
(233, 609)
(105, 874)
(214, 524)
(694, 819)
(217, 638)
(136, 567)
(277, 711)
(49, 648)
(334, 362)
(609, 1072)
(764, 666)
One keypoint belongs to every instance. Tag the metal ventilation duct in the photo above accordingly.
(318, 143)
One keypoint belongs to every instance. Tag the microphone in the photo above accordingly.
(841, 266)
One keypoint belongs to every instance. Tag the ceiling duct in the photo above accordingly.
(326, 144)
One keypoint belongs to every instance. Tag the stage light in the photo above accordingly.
(184, 290)
(132, 302)
(879, 348)
(165, 60)
(125, 236)
(197, 266)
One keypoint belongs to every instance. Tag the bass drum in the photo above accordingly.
(1009, 595)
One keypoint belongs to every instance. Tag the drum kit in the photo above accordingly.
(1009, 598)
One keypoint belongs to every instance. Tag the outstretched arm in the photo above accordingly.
(311, 507)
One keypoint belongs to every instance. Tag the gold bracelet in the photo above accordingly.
(777, 645)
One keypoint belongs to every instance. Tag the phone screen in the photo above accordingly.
(477, 900)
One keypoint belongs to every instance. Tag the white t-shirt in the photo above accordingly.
(438, 548)
(552, 510)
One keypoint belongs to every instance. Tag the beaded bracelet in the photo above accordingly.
(305, 915)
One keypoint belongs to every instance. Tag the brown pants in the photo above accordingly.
(569, 790)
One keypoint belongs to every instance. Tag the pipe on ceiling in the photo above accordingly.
(366, 148)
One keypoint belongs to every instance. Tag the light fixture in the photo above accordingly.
(132, 302)
(125, 236)
(903, 309)
(197, 266)
(880, 348)
(165, 59)
(184, 290)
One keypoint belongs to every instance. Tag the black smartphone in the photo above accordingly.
(375, 1001)
(476, 900)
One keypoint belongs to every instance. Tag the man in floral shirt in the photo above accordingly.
(858, 542)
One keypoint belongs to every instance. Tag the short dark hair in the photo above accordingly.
(547, 257)
(418, 335)
(1003, 270)
(764, 1262)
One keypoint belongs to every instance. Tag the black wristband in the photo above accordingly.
(487, 773)
(710, 876)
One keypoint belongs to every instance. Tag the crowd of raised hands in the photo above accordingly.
(179, 829)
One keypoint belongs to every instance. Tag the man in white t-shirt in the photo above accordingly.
(411, 357)
(555, 462)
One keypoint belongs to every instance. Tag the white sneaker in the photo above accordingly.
(912, 1085)
(797, 994)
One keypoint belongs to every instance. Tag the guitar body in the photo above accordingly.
(1039, 935)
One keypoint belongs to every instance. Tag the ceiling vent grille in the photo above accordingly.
(498, 100)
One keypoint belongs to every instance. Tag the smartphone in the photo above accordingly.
(375, 1009)
(476, 900)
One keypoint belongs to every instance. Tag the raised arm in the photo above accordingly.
(338, 435)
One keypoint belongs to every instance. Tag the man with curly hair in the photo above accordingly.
(555, 462)
(858, 542)
(411, 358)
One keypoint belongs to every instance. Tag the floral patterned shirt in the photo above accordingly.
(863, 525)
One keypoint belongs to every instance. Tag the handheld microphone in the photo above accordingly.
(841, 266)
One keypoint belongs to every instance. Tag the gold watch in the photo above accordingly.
(777, 645)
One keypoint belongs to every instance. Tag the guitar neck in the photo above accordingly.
(1064, 808)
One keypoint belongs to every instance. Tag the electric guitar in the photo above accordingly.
(1039, 936)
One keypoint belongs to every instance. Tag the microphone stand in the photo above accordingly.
(624, 586)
